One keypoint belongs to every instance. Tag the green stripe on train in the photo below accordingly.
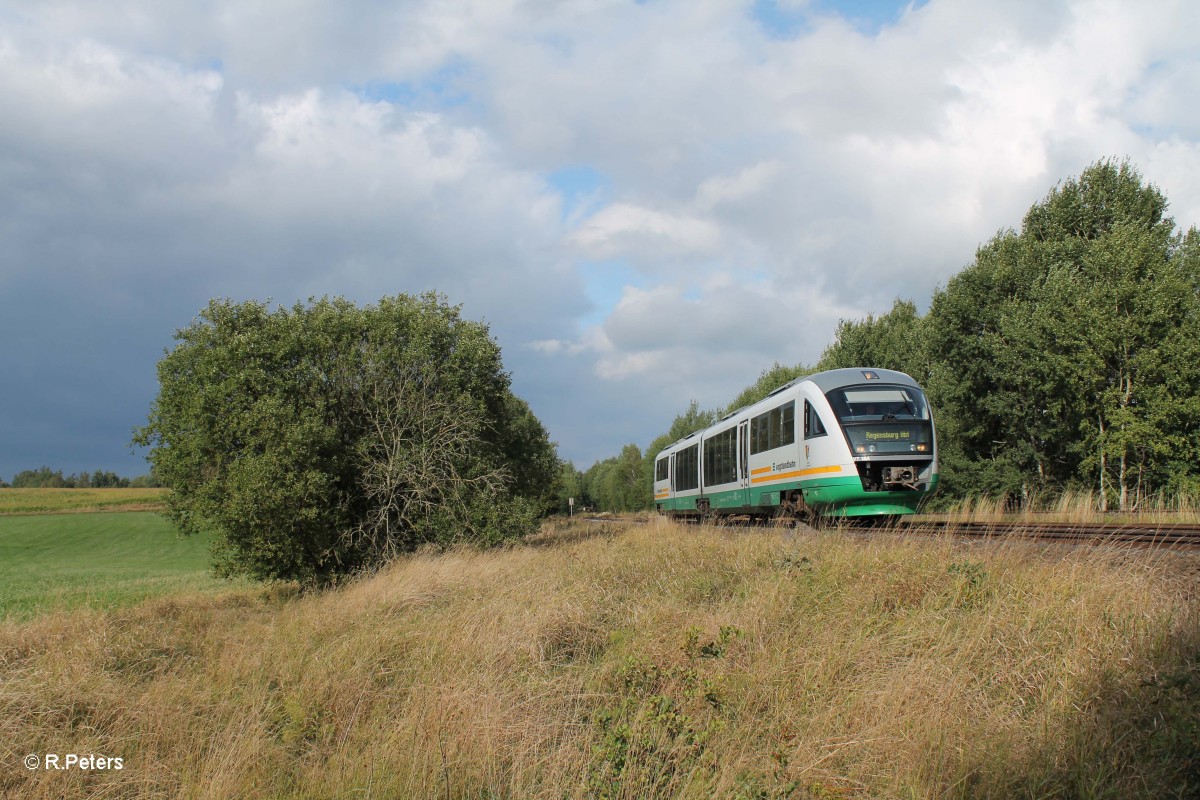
(835, 497)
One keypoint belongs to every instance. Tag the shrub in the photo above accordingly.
(320, 440)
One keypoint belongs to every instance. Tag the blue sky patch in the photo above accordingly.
(398, 94)
(603, 282)
(440, 89)
(784, 21)
(582, 187)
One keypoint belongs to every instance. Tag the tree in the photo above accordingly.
(45, 478)
(570, 485)
(770, 380)
(532, 458)
(1066, 354)
(597, 486)
(322, 439)
(620, 483)
(1139, 418)
(103, 479)
(40, 478)
(629, 481)
(147, 481)
(890, 341)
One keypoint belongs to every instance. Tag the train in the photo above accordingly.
(855, 442)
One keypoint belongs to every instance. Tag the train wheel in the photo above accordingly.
(792, 508)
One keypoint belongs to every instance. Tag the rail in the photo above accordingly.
(1146, 534)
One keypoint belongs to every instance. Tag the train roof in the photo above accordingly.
(826, 381)
(836, 378)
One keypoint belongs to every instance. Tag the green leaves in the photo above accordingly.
(1066, 355)
(1067, 351)
(891, 341)
(621, 483)
(324, 438)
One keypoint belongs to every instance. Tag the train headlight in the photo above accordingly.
(922, 447)
(860, 449)
(871, 448)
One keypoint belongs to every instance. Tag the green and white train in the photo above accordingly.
(842, 443)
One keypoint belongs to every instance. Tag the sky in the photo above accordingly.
(649, 202)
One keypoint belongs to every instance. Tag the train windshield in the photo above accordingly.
(878, 404)
(883, 420)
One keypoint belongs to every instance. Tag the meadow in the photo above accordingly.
(54, 562)
(58, 501)
(648, 661)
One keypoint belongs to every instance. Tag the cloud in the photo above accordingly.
(727, 190)
(312, 187)
(676, 333)
(649, 203)
(135, 190)
(623, 229)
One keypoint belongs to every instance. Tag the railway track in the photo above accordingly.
(1175, 536)
(1161, 535)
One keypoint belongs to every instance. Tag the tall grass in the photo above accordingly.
(635, 662)
(1074, 506)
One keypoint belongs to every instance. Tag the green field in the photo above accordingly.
(59, 561)
(55, 501)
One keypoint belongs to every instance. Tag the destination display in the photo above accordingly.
(891, 438)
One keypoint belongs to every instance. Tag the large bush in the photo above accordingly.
(321, 439)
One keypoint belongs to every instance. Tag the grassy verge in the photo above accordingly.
(56, 562)
(58, 501)
(1071, 507)
(635, 662)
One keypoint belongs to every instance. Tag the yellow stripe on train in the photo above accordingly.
(800, 473)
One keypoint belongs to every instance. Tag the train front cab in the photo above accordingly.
(883, 431)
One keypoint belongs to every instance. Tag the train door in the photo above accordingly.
(744, 461)
(671, 482)
(808, 415)
(816, 439)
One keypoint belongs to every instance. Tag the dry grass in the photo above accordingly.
(1068, 507)
(633, 662)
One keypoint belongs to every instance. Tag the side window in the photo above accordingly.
(660, 469)
(758, 434)
(775, 428)
(812, 422)
(687, 468)
(787, 423)
(720, 458)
